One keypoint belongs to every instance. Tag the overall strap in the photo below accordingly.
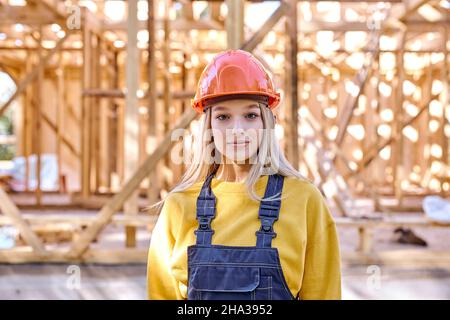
(269, 211)
(206, 211)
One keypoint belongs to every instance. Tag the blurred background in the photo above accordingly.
(90, 92)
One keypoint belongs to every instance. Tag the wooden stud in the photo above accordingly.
(398, 145)
(292, 31)
(84, 143)
(150, 142)
(131, 136)
(235, 24)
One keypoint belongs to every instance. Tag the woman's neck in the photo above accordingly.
(233, 172)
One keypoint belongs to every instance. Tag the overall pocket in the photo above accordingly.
(216, 282)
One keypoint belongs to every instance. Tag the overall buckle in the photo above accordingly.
(204, 223)
(267, 225)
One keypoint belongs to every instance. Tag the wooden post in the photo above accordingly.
(28, 123)
(85, 112)
(292, 74)
(153, 179)
(96, 109)
(235, 23)
(397, 154)
(38, 120)
(113, 124)
(445, 100)
(365, 240)
(131, 130)
(60, 113)
(378, 167)
(167, 93)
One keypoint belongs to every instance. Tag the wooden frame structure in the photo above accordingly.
(102, 70)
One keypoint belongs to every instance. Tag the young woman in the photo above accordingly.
(243, 224)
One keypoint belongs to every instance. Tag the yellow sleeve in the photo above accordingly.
(322, 270)
(161, 284)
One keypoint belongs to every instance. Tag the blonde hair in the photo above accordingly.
(271, 159)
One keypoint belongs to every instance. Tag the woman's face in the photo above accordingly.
(236, 127)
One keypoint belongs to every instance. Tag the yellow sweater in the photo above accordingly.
(306, 237)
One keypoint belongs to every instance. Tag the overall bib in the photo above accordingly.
(217, 272)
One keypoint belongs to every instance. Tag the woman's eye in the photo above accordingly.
(252, 116)
(221, 117)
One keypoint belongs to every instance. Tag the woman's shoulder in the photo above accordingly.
(312, 199)
(183, 195)
(303, 186)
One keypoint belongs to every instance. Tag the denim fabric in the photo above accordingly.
(217, 272)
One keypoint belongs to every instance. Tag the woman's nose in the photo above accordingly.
(237, 125)
(237, 128)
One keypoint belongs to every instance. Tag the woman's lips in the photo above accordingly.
(239, 143)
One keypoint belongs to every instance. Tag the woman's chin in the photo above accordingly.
(238, 157)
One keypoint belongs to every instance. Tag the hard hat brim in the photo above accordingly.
(272, 100)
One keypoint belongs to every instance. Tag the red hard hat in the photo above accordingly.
(234, 74)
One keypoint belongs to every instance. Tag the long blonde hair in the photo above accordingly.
(271, 159)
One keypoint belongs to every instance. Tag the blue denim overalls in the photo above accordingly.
(217, 272)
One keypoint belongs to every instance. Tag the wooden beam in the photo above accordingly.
(349, 1)
(181, 24)
(10, 210)
(34, 73)
(64, 140)
(103, 256)
(120, 94)
(259, 35)
(81, 219)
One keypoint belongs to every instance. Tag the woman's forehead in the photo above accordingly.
(235, 103)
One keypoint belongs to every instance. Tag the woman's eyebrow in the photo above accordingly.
(221, 108)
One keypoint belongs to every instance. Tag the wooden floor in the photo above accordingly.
(129, 282)
(396, 283)
(52, 281)
(56, 282)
